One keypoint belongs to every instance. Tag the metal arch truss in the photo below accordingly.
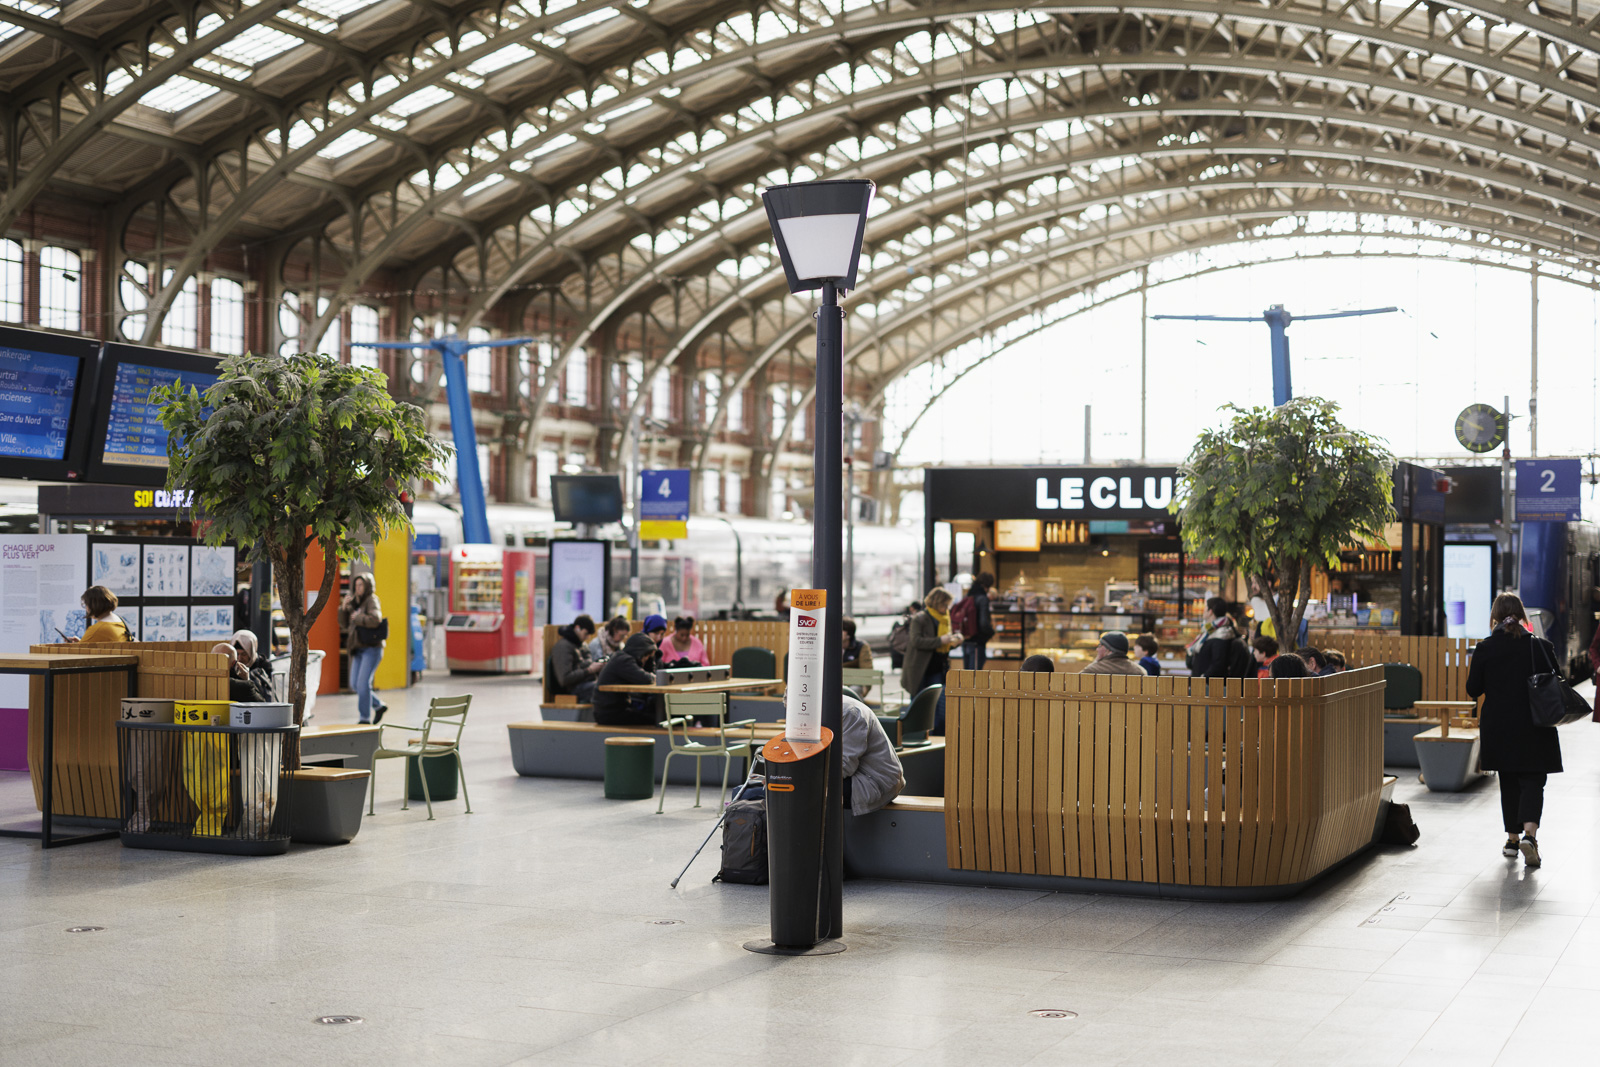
(611, 155)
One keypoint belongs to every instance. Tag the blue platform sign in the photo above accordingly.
(664, 504)
(1549, 490)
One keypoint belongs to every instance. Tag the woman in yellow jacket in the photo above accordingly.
(105, 624)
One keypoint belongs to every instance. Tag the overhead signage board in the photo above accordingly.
(1549, 490)
(1050, 493)
(664, 505)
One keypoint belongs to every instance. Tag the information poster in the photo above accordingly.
(41, 579)
(166, 572)
(166, 623)
(212, 571)
(115, 565)
(209, 622)
(1468, 589)
(808, 615)
(521, 604)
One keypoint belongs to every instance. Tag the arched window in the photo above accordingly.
(181, 327)
(363, 327)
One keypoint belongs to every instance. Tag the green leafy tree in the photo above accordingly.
(282, 451)
(1279, 491)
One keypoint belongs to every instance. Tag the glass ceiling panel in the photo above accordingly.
(37, 8)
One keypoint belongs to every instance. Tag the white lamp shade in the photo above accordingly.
(820, 246)
(818, 227)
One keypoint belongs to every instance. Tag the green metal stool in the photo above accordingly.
(630, 768)
(442, 782)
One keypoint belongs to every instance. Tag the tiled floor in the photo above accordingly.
(525, 933)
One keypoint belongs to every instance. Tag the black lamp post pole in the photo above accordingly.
(827, 572)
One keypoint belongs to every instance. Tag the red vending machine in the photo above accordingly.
(489, 627)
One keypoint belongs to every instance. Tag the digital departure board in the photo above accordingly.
(37, 390)
(129, 444)
(134, 434)
(46, 392)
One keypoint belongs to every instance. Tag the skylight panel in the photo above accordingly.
(256, 45)
(501, 58)
(346, 143)
(27, 7)
(593, 18)
(423, 98)
(177, 93)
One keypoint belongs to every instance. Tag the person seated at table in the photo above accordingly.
(634, 665)
(873, 775)
(683, 648)
(1288, 665)
(571, 670)
(257, 671)
(1111, 656)
(1335, 658)
(100, 604)
(857, 654)
(238, 676)
(610, 639)
(1316, 662)
(1038, 665)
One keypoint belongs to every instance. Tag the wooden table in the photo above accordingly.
(726, 685)
(51, 665)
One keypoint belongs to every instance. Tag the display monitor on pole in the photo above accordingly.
(46, 395)
(128, 445)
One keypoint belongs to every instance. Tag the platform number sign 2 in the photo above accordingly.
(1549, 490)
(808, 615)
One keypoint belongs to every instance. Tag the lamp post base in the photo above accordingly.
(821, 948)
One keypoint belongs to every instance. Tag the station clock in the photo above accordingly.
(1480, 428)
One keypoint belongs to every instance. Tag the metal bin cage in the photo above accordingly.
(205, 788)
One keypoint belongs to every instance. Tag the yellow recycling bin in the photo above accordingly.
(205, 762)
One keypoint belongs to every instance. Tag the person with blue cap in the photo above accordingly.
(634, 665)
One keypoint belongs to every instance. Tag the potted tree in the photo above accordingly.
(286, 452)
(1279, 491)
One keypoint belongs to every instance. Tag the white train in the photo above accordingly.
(726, 567)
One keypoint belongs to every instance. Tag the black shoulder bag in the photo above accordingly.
(1551, 701)
(373, 636)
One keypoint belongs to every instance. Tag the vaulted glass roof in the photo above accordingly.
(604, 158)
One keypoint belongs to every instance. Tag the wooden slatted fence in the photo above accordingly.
(1247, 783)
(1443, 661)
(87, 709)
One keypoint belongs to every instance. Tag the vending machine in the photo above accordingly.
(489, 627)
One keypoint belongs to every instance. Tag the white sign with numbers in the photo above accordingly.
(808, 615)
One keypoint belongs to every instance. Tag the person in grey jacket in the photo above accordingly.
(1111, 656)
(872, 772)
(571, 670)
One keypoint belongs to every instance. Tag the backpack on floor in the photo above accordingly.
(1398, 829)
(744, 844)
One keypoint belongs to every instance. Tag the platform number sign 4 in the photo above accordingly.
(1549, 490)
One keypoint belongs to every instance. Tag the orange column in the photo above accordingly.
(325, 631)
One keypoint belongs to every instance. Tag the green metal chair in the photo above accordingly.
(682, 709)
(909, 729)
(753, 661)
(444, 714)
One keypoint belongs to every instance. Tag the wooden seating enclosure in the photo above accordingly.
(1172, 781)
(88, 706)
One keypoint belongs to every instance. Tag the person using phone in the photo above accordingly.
(100, 604)
(928, 648)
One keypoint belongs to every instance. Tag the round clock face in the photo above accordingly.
(1480, 428)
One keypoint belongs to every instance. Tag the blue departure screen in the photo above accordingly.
(134, 434)
(36, 391)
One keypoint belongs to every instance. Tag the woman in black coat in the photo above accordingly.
(1523, 754)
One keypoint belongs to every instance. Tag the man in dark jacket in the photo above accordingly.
(975, 653)
(634, 665)
(571, 669)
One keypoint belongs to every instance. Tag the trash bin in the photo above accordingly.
(630, 768)
(797, 802)
(202, 788)
(443, 782)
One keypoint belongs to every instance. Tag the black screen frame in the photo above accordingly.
(73, 466)
(114, 355)
(612, 481)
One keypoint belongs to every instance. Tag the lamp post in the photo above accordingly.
(818, 227)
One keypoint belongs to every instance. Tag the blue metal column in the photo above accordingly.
(469, 478)
(1277, 320)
